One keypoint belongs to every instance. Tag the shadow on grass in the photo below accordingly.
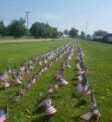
(76, 118)
(42, 119)
(75, 95)
(81, 102)
(2, 89)
(74, 79)
(38, 110)
(56, 97)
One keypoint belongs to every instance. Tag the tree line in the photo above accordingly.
(17, 29)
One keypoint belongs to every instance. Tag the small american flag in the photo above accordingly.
(3, 115)
(1, 76)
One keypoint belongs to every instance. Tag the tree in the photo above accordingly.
(82, 36)
(17, 28)
(41, 30)
(66, 32)
(60, 34)
(89, 37)
(73, 33)
(100, 33)
(54, 32)
(2, 29)
(34, 30)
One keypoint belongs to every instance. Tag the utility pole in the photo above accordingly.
(27, 18)
(86, 28)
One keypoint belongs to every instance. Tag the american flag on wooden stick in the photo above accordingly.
(3, 115)
(1, 76)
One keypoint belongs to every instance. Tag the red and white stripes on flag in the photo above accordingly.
(2, 116)
(51, 110)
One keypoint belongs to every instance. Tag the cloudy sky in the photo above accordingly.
(61, 13)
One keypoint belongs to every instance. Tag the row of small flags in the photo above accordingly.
(82, 85)
(84, 88)
(47, 103)
(35, 77)
(16, 74)
(56, 55)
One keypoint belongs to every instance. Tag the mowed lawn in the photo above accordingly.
(98, 58)
(17, 53)
(69, 104)
(12, 54)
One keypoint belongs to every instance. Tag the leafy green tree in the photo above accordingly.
(73, 33)
(3, 30)
(100, 33)
(66, 32)
(54, 33)
(17, 28)
(82, 35)
(34, 30)
(60, 34)
(41, 30)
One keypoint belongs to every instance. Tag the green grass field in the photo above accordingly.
(17, 53)
(68, 103)
(99, 66)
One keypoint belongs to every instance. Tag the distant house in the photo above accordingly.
(108, 38)
(65, 36)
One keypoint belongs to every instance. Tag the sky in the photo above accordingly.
(62, 14)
